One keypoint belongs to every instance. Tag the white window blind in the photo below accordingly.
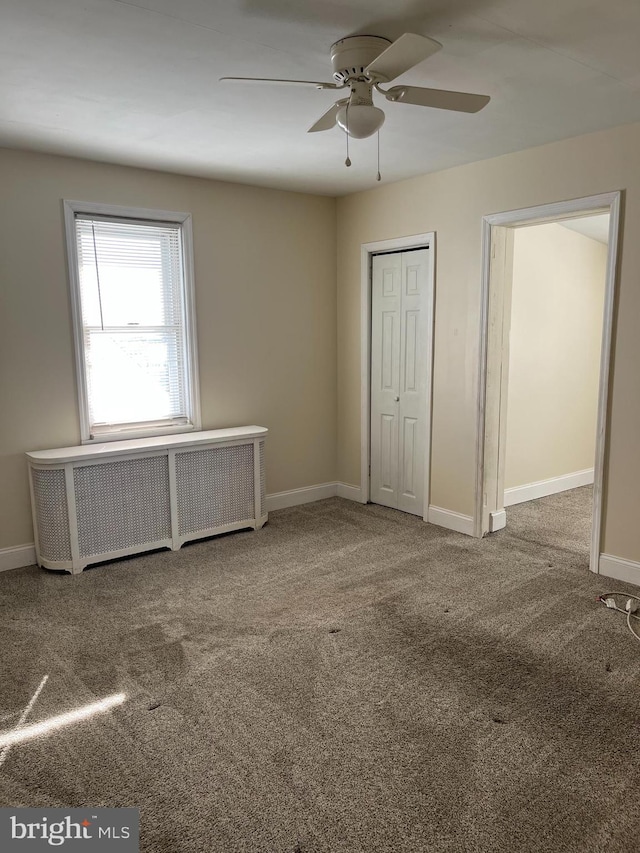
(132, 301)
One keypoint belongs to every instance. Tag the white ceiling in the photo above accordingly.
(137, 82)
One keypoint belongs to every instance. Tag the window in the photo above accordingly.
(132, 296)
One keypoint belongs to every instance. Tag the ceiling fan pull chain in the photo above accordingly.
(347, 162)
(378, 176)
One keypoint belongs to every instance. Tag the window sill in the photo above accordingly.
(128, 435)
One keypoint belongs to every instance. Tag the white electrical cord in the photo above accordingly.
(630, 608)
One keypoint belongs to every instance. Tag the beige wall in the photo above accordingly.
(557, 301)
(265, 302)
(452, 204)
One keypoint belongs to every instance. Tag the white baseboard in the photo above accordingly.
(497, 520)
(17, 557)
(622, 570)
(351, 493)
(451, 520)
(532, 491)
(305, 495)
(25, 555)
(308, 494)
(442, 517)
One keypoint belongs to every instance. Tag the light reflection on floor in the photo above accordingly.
(22, 732)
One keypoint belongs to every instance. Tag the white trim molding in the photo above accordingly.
(308, 494)
(25, 555)
(17, 557)
(542, 488)
(451, 520)
(497, 521)
(367, 251)
(305, 495)
(70, 208)
(620, 569)
(487, 474)
(351, 493)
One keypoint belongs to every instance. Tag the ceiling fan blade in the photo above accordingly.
(461, 102)
(327, 120)
(403, 54)
(315, 83)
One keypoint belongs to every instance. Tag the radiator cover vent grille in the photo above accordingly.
(51, 514)
(122, 504)
(92, 504)
(214, 487)
(263, 482)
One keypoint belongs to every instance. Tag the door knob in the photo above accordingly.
(396, 399)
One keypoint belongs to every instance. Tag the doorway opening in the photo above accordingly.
(548, 294)
(397, 295)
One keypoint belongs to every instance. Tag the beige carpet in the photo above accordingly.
(347, 679)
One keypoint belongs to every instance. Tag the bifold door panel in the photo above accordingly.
(399, 364)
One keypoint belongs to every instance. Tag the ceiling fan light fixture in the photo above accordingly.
(360, 121)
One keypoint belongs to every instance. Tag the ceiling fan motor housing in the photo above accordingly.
(351, 56)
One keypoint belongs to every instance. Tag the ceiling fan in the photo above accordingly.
(362, 64)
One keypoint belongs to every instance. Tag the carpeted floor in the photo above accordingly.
(346, 679)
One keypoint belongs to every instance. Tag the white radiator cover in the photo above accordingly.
(98, 502)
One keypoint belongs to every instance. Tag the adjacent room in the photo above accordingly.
(551, 360)
(557, 304)
(319, 465)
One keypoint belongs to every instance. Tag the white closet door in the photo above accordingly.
(399, 380)
(385, 377)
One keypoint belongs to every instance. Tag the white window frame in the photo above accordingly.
(71, 208)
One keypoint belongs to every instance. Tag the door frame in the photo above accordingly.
(488, 432)
(367, 251)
